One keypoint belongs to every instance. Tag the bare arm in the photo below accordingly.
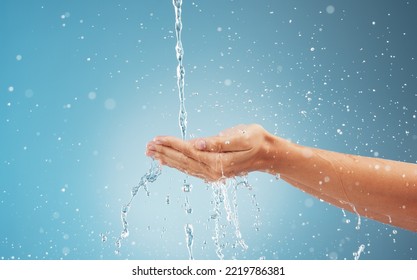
(379, 189)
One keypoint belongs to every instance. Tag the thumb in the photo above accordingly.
(221, 144)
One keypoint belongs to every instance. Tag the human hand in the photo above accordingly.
(234, 152)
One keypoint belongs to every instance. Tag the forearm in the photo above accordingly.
(379, 189)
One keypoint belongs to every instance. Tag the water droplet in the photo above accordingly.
(28, 93)
(92, 95)
(277, 176)
(309, 203)
(333, 255)
(103, 237)
(110, 104)
(124, 234)
(214, 216)
(186, 187)
(330, 9)
(66, 251)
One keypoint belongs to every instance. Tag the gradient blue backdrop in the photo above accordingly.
(85, 84)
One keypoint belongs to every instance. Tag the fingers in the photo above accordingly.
(170, 141)
(197, 148)
(228, 154)
(235, 139)
(176, 159)
(222, 144)
(184, 147)
(206, 165)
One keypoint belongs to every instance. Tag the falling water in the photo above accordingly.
(180, 68)
(220, 189)
(357, 254)
(358, 225)
(232, 213)
(221, 196)
(189, 239)
(182, 118)
(217, 200)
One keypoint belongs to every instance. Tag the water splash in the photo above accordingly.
(235, 219)
(357, 254)
(278, 176)
(103, 237)
(221, 197)
(255, 205)
(187, 206)
(257, 224)
(358, 225)
(186, 187)
(189, 239)
(244, 182)
(149, 177)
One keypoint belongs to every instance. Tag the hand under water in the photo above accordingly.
(233, 152)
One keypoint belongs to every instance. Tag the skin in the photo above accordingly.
(379, 189)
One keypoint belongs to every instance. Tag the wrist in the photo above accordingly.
(275, 153)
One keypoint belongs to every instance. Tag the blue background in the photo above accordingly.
(84, 85)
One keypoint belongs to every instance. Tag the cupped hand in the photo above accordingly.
(233, 152)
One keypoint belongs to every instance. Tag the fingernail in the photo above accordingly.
(151, 147)
(149, 152)
(200, 145)
(157, 141)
